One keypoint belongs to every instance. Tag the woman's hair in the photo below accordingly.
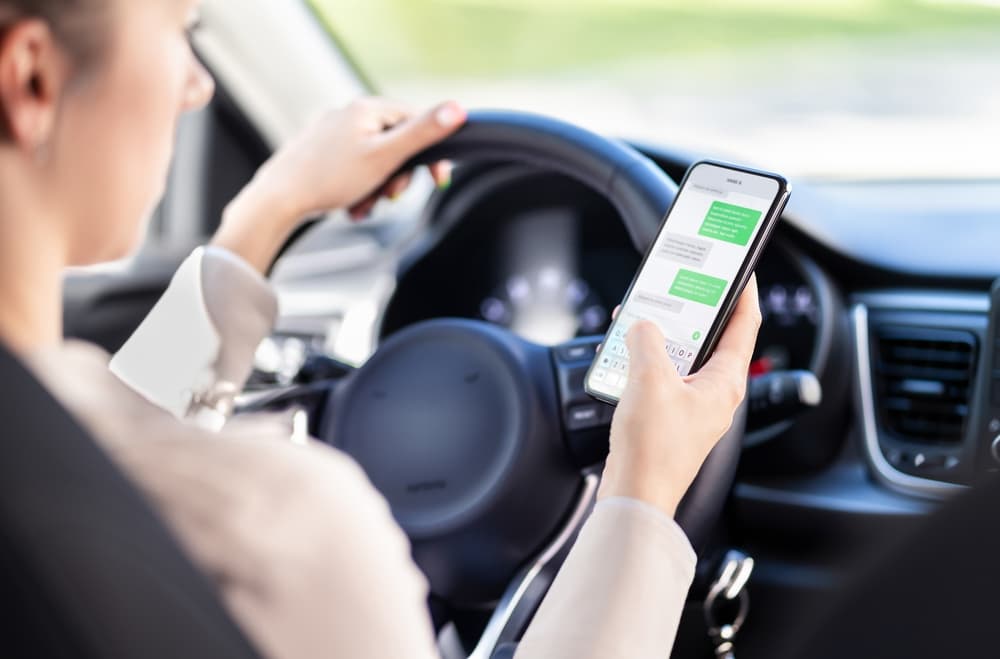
(77, 24)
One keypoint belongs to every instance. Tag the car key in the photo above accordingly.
(729, 586)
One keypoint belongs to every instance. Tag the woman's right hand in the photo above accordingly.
(343, 160)
(666, 425)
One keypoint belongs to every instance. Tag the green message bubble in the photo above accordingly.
(734, 224)
(697, 287)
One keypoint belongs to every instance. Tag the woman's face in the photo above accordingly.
(114, 133)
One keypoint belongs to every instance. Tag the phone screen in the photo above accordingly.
(691, 267)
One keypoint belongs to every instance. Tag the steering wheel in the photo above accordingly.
(485, 444)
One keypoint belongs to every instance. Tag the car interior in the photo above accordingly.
(858, 477)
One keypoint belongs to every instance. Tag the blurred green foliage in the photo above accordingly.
(394, 39)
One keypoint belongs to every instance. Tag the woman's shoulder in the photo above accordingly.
(253, 453)
(288, 530)
(234, 483)
(266, 511)
(76, 374)
(70, 356)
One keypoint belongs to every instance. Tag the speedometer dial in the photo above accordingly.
(787, 335)
(548, 306)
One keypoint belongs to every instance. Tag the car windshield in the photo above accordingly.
(854, 89)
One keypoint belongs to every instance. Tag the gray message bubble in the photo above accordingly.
(669, 304)
(686, 249)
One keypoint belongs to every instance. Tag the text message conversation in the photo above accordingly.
(690, 269)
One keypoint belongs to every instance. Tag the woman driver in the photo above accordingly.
(302, 548)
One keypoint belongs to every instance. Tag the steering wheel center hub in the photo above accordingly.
(452, 420)
(435, 420)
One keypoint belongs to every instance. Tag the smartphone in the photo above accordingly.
(692, 276)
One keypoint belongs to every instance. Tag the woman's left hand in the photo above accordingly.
(343, 160)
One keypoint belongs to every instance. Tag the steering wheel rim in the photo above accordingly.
(639, 190)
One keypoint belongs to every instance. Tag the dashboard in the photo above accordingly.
(549, 259)
(859, 287)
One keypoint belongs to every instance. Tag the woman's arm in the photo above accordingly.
(622, 588)
(194, 350)
(620, 592)
(341, 161)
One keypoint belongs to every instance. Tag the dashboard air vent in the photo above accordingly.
(923, 380)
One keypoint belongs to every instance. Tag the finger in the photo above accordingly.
(441, 171)
(418, 133)
(397, 186)
(648, 358)
(731, 360)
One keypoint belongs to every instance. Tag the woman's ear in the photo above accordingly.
(32, 76)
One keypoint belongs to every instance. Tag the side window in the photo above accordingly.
(217, 153)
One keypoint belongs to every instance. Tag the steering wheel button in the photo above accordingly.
(584, 416)
(578, 352)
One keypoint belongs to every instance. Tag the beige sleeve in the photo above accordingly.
(620, 592)
(197, 343)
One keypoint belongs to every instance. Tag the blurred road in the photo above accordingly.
(913, 108)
